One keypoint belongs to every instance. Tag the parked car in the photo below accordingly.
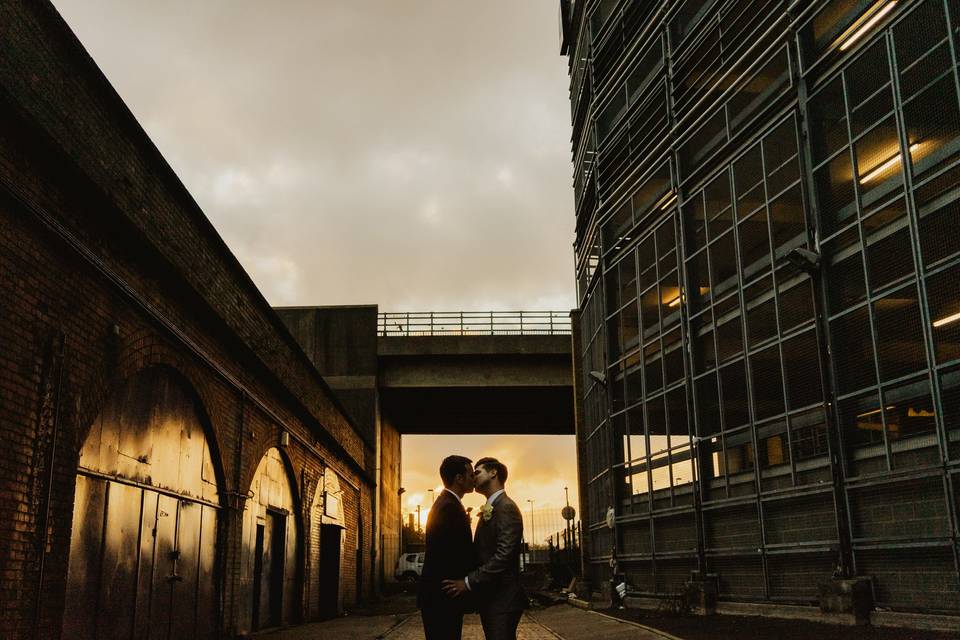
(409, 566)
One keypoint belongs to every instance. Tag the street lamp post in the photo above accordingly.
(432, 496)
(533, 530)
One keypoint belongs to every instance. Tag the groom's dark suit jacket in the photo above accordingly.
(448, 555)
(496, 582)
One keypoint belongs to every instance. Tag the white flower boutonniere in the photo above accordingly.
(486, 512)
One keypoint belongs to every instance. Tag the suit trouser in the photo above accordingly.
(442, 622)
(500, 625)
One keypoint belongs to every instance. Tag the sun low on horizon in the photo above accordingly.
(539, 467)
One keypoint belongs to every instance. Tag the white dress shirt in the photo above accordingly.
(493, 498)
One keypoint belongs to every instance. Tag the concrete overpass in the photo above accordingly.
(443, 373)
(495, 384)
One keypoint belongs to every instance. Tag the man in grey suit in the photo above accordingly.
(496, 582)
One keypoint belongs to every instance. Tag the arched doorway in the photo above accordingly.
(270, 545)
(328, 518)
(142, 551)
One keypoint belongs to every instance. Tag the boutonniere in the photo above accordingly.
(486, 512)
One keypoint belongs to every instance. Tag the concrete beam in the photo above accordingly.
(478, 410)
(474, 345)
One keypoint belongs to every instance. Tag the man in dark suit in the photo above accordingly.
(449, 553)
(496, 582)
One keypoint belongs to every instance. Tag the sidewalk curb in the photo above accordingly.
(662, 634)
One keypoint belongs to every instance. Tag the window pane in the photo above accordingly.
(914, 34)
(761, 312)
(693, 215)
(828, 121)
(652, 367)
(899, 334)
(723, 263)
(754, 244)
(767, 383)
(630, 327)
(796, 304)
(889, 249)
(862, 420)
(677, 407)
(909, 410)
(933, 127)
(938, 203)
(628, 277)
(809, 434)
(845, 279)
(748, 181)
(787, 222)
(634, 385)
(708, 405)
(673, 359)
(774, 450)
(879, 166)
(704, 349)
(718, 206)
(802, 363)
(950, 404)
(853, 350)
(729, 337)
(869, 73)
(733, 378)
(780, 157)
(943, 296)
(834, 187)
(650, 310)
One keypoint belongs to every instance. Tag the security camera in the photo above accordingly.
(804, 259)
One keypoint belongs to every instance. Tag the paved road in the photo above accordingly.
(412, 629)
(560, 622)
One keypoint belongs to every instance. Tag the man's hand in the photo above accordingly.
(454, 588)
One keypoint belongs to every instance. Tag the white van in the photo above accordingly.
(409, 566)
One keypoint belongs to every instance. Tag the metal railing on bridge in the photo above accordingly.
(473, 323)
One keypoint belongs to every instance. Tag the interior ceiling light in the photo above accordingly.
(886, 165)
(866, 22)
(675, 302)
(668, 199)
(945, 321)
(874, 412)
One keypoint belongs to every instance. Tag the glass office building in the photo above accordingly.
(768, 271)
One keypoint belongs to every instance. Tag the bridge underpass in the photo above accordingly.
(438, 374)
(476, 384)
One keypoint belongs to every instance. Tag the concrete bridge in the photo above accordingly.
(444, 373)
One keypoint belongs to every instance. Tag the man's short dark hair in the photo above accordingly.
(451, 467)
(491, 464)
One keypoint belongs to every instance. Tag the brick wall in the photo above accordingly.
(102, 247)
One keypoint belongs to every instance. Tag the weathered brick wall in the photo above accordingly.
(100, 244)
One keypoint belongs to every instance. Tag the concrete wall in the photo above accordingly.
(390, 499)
(342, 344)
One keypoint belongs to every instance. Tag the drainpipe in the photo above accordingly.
(45, 519)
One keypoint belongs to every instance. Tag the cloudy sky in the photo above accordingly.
(408, 153)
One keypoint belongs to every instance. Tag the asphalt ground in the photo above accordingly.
(396, 618)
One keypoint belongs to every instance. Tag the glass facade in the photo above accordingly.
(767, 257)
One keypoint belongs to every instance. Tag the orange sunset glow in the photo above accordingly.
(539, 468)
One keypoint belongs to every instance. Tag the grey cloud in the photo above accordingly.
(403, 152)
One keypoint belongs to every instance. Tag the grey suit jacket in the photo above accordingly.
(497, 580)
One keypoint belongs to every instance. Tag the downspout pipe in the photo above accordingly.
(48, 498)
